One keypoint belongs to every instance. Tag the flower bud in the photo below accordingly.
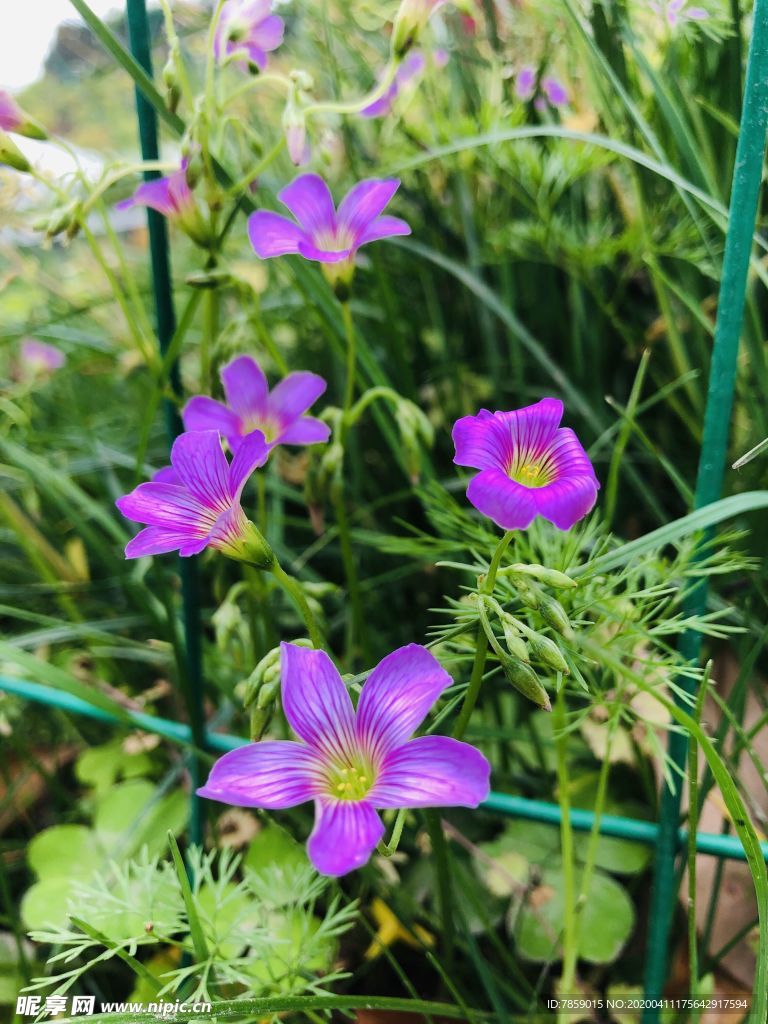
(11, 155)
(528, 593)
(547, 651)
(516, 646)
(248, 545)
(552, 577)
(555, 616)
(525, 681)
(410, 20)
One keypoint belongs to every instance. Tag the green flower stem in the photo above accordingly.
(292, 587)
(370, 396)
(481, 643)
(356, 633)
(210, 333)
(570, 933)
(444, 887)
(387, 849)
(355, 106)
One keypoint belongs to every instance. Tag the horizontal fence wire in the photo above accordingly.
(505, 804)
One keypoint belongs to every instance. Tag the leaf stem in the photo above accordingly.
(292, 587)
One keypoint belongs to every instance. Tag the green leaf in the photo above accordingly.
(195, 928)
(606, 922)
(65, 851)
(44, 904)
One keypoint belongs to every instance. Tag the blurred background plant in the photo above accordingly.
(565, 169)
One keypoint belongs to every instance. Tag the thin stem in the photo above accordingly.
(566, 842)
(292, 587)
(387, 849)
(444, 888)
(356, 621)
(355, 106)
(481, 643)
(210, 333)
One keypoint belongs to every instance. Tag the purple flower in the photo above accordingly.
(14, 119)
(323, 233)
(677, 11)
(413, 66)
(247, 31)
(11, 114)
(555, 91)
(353, 763)
(279, 415)
(528, 466)
(173, 198)
(525, 83)
(39, 358)
(195, 503)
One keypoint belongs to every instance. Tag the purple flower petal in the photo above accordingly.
(525, 83)
(161, 504)
(344, 837)
(268, 34)
(246, 387)
(509, 504)
(311, 252)
(315, 700)
(38, 356)
(167, 475)
(11, 115)
(155, 540)
(532, 429)
(566, 501)
(363, 204)
(252, 452)
(270, 774)
(309, 200)
(555, 91)
(397, 696)
(273, 235)
(481, 442)
(432, 771)
(198, 458)
(203, 413)
(696, 14)
(307, 430)
(383, 105)
(194, 547)
(294, 395)
(384, 227)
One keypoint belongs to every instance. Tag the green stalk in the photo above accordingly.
(570, 929)
(356, 627)
(292, 587)
(444, 887)
(481, 644)
(210, 333)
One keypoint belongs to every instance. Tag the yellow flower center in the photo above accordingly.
(269, 428)
(350, 781)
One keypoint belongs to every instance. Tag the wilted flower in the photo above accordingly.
(38, 358)
(248, 31)
(323, 233)
(278, 414)
(412, 67)
(677, 11)
(195, 503)
(528, 466)
(353, 763)
(173, 198)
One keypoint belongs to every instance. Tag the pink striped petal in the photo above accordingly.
(509, 504)
(481, 441)
(294, 395)
(273, 235)
(245, 386)
(533, 428)
(203, 413)
(315, 700)
(432, 771)
(198, 458)
(268, 33)
(566, 501)
(271, 774)
(309, 200)
(160, 504)
(384, 227)
(307, 430)
(252, 452)
(363, 204)
(344, 837)
(397, 696)
(155, 540)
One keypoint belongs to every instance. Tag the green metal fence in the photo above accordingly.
(666, 835)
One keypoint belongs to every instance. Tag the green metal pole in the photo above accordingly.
(506, 804)
(138, 31)
(747, 174)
